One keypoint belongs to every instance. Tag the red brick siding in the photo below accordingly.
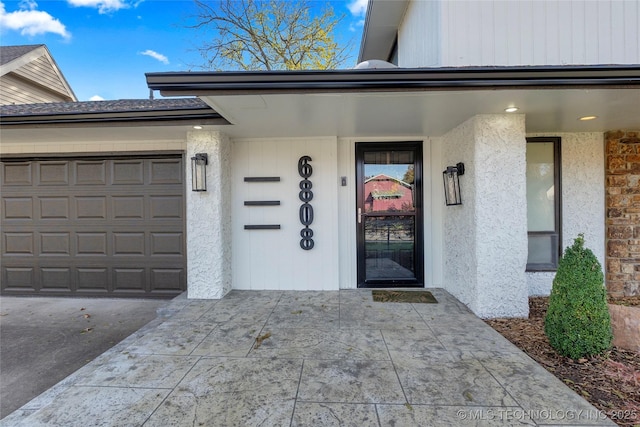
(623, 212)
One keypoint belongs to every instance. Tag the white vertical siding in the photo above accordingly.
(474, 27)
(592, 36)
(524, 32)
(632, 30)
(347, 215)
(273, 259)
(434, 232)
(432, 209)
(419, 39)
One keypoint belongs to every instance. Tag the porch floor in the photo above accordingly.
(322, 359)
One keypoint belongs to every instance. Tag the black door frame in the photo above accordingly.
(361, 148)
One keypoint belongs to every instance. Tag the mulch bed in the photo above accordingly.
(610, 382)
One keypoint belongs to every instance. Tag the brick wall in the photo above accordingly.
(623, 212)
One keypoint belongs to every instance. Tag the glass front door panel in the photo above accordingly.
(389, 214)
(389, 247)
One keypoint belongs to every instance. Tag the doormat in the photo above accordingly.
(404, 296)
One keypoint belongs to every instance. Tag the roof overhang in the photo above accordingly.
(115, 119)
(111, 113)
(380, 31)
(163, 120)
(410, 102)
(391, 80)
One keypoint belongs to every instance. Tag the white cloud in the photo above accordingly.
(358, 8)
(96, 98)
(103, 6)
(31, 22)
(356, 26)
(155, 55)
(28, 5)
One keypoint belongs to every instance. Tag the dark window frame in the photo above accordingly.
(557, 171)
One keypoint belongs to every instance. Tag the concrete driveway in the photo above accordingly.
(45, 339)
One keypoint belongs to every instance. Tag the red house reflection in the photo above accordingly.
(385, 193)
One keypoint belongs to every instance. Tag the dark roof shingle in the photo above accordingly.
(98, 107)
(9, 53)
(123, 112)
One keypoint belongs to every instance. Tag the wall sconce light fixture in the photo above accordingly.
(199, 164)
(452, 184)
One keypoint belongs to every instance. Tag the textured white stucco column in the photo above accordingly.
(485, 239)
(209, 219)
(459, 231)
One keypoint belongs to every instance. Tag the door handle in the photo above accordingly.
(360, 215)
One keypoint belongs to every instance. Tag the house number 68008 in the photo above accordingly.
(306, 210)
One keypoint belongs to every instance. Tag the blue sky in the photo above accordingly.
(104, 47)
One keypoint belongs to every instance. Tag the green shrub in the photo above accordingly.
(577, 321)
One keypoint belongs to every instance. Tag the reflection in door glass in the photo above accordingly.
(389, 179)
(389, 247)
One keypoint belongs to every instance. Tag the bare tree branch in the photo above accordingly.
(267, 35)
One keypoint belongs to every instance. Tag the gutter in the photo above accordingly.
(121, 118)
(393, 80)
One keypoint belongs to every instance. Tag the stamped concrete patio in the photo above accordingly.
(327, 358)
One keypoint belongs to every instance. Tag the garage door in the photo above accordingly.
(93, 226)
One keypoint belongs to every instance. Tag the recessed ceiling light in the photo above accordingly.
(587, 118)
(511, 109)
(197, 127)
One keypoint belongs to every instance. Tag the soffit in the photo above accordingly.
(432, 113)
(421, 101)
(381, 28)
(388, 114)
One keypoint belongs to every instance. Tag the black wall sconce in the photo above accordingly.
(199, 164)
(452, 184)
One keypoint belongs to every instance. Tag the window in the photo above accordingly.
(543, 203)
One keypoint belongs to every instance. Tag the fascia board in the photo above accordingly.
(242, 83)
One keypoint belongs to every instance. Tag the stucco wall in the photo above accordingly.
(485, 243)
(209, 219)
(459, 235)
(501, 215)
(273, 259)
(582, 198)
